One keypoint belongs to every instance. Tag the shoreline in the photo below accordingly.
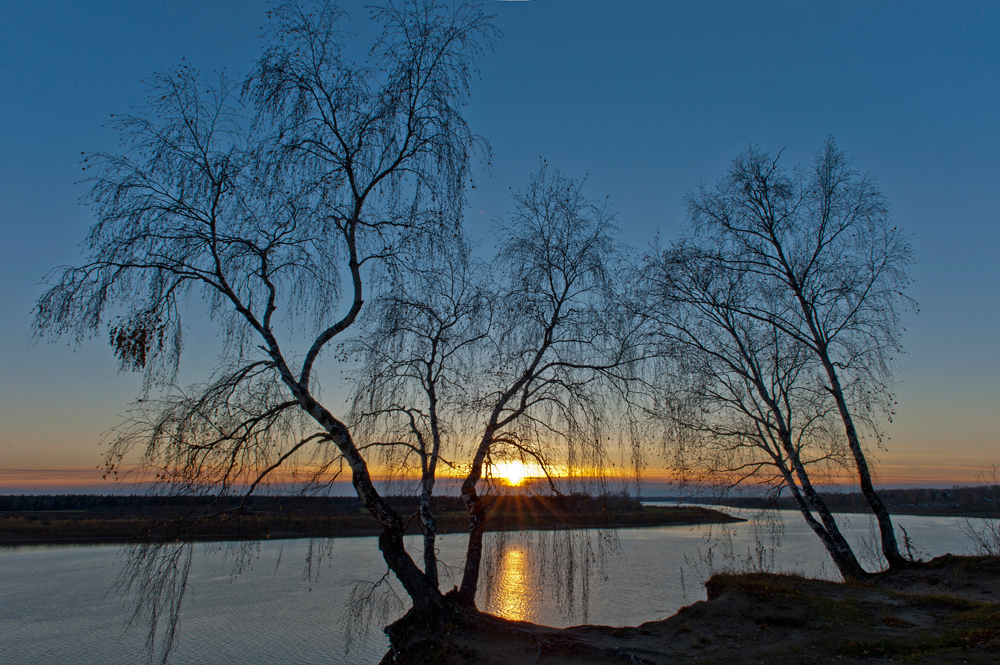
(939, 612)
(28, 528)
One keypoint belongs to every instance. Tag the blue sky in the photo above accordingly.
(646, 99)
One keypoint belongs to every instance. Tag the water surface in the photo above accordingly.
(288, 603)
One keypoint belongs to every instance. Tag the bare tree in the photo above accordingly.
(745, 390)
(560, 352)
(822, 241)
(264, 206)
(520, 355)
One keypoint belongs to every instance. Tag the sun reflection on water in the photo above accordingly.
(513, 596)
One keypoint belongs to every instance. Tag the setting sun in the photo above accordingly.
(514, 473)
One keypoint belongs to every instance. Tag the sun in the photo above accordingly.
(514, 473)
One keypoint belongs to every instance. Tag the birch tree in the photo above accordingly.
(822, 241)
(418, 359)
(271, 203)
(522, 356)
(746, 391)
(560, 352)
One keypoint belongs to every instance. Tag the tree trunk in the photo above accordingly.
(477, 509)
(820, 345)
(425, 596)
(890, 549)
(834, 536)
(474, 550)
(427, 519)
(427, 600)
(829, 533)
(429, 526)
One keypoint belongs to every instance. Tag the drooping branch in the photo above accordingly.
(255, 202)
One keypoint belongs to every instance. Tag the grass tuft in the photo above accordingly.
(759, 585)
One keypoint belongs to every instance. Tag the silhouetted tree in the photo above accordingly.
(985, 535)
(821, 242)
(519, 355)
(272, 208)
(561, 352)
(747, 391)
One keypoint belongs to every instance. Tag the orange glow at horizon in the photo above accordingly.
(898, 471)
(514, 473)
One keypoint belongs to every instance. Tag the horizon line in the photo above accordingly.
(89, 481)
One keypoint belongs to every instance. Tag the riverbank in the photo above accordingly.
(277, 519)
(944, 611)
(974, 501)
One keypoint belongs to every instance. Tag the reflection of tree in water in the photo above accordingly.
(525, 569)
(152, 579)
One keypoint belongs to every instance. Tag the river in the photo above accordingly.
(287, 601)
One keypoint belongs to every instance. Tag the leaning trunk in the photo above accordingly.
(834, 540)
(427, 600)
(890, 549)
(829, 533)
(477, 509)
(888, 535)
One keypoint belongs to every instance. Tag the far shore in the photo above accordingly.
(971, 501)
(91, 522)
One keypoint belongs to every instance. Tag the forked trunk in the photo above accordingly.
(425, 595)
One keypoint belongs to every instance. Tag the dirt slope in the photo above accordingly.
(943, 611)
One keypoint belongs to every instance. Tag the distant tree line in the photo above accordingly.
(974, 500)
(964, 500)
(140, 503)
(957, 500)
(136, 503)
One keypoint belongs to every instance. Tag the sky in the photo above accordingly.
(645, 99)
